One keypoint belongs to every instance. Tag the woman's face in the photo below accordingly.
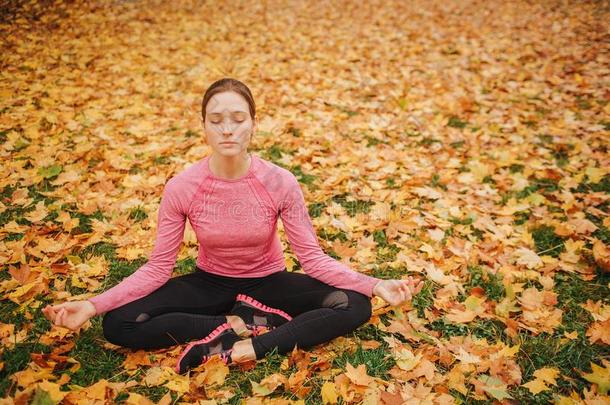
(227, 119)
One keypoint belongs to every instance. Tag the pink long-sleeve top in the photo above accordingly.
(235, 221)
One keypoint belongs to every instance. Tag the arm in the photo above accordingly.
(304, 243)
(158, 270)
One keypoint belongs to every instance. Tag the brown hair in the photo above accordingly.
(228, 84)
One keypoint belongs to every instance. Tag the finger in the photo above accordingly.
(51, 314)
(401, 298)
(64, 320)
(60, 317)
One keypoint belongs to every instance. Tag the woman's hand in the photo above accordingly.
(71, 314)
(395, 292)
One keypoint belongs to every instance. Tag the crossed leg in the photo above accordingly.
(185, 308)
(319, 312)
(189, 307)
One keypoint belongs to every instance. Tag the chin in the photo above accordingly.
(229, 151)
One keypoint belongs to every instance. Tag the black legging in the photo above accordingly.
(190, 306)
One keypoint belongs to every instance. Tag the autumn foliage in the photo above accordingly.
(463, 142)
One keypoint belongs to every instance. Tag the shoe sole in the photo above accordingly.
(213, 335)
(251, 301)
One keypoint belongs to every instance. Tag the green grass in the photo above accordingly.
(372, 141)
(84, 225)
(118, 270)
(17, 359)
(302, 177)
(425, 298)
(457, 145)
(316, 209)
(17, 213)
(538, 185)
(96, 361)
(239, 382)
(378, 362)
(386, 272)
(602, 186)
(138, 214)
(521, 217)
(105, 249)
(274, 153)
(516, 168)
(547, 241)
(185, 266)
(435, 182)
(571, 357)
(353, 206)
(428, 141)
(562, 155)
(330, 236)
(154, 393)
(456, 122)
(602, 233)
(491, 283)
(447, 329)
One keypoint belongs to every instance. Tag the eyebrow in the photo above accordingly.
(234, 111)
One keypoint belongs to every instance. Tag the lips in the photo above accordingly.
(228, 143)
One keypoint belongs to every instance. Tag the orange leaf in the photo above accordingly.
(358, 375)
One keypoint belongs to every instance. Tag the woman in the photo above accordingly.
(241, 287)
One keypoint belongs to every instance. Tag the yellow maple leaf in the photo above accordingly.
(535, 386)
(406, 360)
(329, 393)
(528, 258)
(600, 376)
(547, 374)
(53, 390)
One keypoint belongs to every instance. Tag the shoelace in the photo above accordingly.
(225, 356)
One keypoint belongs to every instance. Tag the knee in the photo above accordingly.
(111, 327)
(356, 306)
(114, 329)
(361, 307)
(336, 300)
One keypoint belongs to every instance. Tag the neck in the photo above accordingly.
(229, 166)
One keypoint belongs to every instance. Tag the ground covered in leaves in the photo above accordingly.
(465, 142)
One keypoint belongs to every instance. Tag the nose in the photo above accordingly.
(227, 127)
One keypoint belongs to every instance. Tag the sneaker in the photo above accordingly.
(258, 317)
(219, 342)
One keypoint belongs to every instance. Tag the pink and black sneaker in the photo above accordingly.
(219, 342)
(258, 317)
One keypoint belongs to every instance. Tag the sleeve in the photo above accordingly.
(158, 269)
(304, 243)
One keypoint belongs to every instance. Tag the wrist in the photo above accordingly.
(92, 309)
(376, 286)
